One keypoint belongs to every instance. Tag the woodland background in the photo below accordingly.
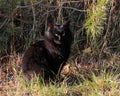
(94, 64)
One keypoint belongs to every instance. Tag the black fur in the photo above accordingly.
(46, 57)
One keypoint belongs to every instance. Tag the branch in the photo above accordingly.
(74, 9)
(5, 21)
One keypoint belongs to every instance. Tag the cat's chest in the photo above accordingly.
(56, 55)
(49, 53)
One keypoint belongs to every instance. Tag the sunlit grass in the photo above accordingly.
(96, 17)
(104, 84)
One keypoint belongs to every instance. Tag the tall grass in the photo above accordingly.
(105, 84)
(96, 17)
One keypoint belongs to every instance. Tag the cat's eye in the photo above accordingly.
(56, 34)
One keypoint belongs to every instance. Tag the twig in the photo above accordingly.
(75, 9)
(4, 23)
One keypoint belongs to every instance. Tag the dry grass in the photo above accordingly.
(92, 78)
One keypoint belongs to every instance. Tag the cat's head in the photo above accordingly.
(57, 33)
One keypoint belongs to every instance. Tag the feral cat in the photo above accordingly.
(46, 57)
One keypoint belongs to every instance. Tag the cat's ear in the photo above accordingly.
(49, 29)
(51, 26)
(66, 24)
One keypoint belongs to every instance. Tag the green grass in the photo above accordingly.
(96, 17)
(104, 84)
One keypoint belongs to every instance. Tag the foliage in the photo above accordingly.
(96, 17)
(91, 23)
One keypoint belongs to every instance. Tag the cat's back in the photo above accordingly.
(34, 52)
(38, 46)
(34, 60)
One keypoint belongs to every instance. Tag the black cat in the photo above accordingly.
(47, 57)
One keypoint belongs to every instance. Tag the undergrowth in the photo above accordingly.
(106, 84)
(85, 77)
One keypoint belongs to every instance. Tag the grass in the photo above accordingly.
(105, 83)
(96, 18)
